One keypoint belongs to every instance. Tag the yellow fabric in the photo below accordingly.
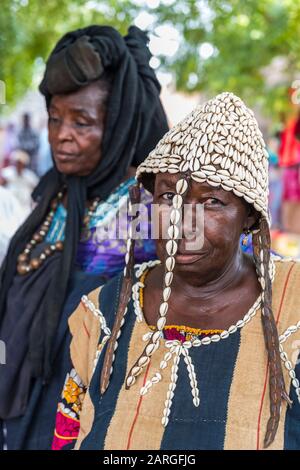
(136, 423)
(249, 404)
(86, 419)
(83, 350)
(85, 330)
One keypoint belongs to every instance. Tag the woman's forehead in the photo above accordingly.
(85, 98)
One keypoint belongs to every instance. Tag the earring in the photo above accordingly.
(246, 237)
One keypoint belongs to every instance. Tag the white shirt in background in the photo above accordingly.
(21, 186)
(12, 215)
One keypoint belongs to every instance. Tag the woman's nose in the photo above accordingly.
(193, 225)
(64, 132)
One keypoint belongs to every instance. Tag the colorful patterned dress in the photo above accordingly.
(105, 257)
(97, 261)
(216, 397)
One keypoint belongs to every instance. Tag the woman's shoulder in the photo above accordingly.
(92, 319)
(101, 304)
(91, 323)
(85, 328)
(286, 293)
(92, 304)
(285, 268)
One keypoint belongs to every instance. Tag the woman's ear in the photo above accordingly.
(252, 218)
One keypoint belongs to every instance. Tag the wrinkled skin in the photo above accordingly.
(214, 286)
(76, 127)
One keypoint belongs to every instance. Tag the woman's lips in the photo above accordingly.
(185, 258)
(64, 157)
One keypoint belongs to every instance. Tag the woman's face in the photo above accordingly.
(76, 127)
(225, 216)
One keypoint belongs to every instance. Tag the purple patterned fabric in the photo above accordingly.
(107, 256)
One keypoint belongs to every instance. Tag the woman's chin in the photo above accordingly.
(70, 169)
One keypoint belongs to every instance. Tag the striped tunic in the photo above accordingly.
(232, 377)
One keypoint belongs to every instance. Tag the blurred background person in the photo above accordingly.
(275, 183)
(10, 143)
(28, 140)
(19, 179)
(11, 215)
(105, 116)
(44, 158)
(289, 158)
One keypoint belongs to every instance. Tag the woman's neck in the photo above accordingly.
(217, 303)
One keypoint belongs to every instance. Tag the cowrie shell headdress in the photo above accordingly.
(219, 143)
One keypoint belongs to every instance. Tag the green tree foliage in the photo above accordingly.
(237, 40)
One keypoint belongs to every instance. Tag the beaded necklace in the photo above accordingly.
(184, 332)
(138, 299)
(177, 348)
(26, 264)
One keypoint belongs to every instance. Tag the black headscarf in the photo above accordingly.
(135, 121)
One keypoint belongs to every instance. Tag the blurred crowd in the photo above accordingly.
(284, 185)
(24, 157)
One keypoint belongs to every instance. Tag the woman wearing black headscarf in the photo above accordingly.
(104, 117)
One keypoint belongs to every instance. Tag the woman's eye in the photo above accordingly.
(167, 196)
(213, 201)
(81, 124)
(53, 119)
